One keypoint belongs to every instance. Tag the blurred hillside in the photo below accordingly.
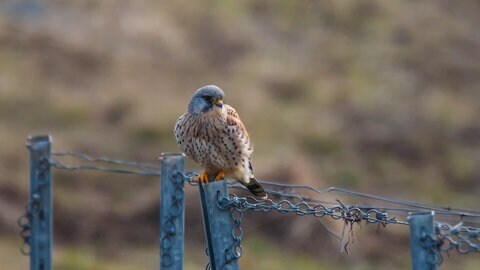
(377, 96)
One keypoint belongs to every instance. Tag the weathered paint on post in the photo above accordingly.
(421, 225)
(218, 225)
(41, 202)
(172, 213)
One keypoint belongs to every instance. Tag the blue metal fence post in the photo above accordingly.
(421, 227)
(40, 203)
(172, 213)
(218, 225)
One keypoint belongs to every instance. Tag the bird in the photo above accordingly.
(211, 133)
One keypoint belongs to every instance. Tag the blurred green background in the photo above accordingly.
(376, 96)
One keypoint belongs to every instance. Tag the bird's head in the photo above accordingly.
(205, 99)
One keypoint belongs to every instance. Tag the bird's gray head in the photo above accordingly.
(205, 99)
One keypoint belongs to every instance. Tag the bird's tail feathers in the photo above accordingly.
(255, 188)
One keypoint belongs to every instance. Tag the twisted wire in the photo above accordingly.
(59, 165)
(89, 158)
(148, 169)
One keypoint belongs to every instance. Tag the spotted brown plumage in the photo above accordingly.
(212, 134)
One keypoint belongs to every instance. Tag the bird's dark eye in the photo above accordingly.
(208, 98)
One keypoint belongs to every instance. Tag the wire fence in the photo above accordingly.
(454, 230)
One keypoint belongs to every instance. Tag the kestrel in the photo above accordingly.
(212, 134)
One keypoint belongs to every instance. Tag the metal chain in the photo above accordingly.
(460, 238)
(432, 245)
(191, 177)
(236, 250)
(239, 205)
(25, 223)
(32, 208)
(175, 210)
(351, 214)
(463, 239)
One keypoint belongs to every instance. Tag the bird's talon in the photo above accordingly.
(203, 178)
(220, 176)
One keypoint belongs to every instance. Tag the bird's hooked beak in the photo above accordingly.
(218, 102)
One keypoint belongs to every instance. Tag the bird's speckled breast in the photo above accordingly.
(209, 140)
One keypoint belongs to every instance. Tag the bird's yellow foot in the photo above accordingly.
(202, 178)
(220, 176)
